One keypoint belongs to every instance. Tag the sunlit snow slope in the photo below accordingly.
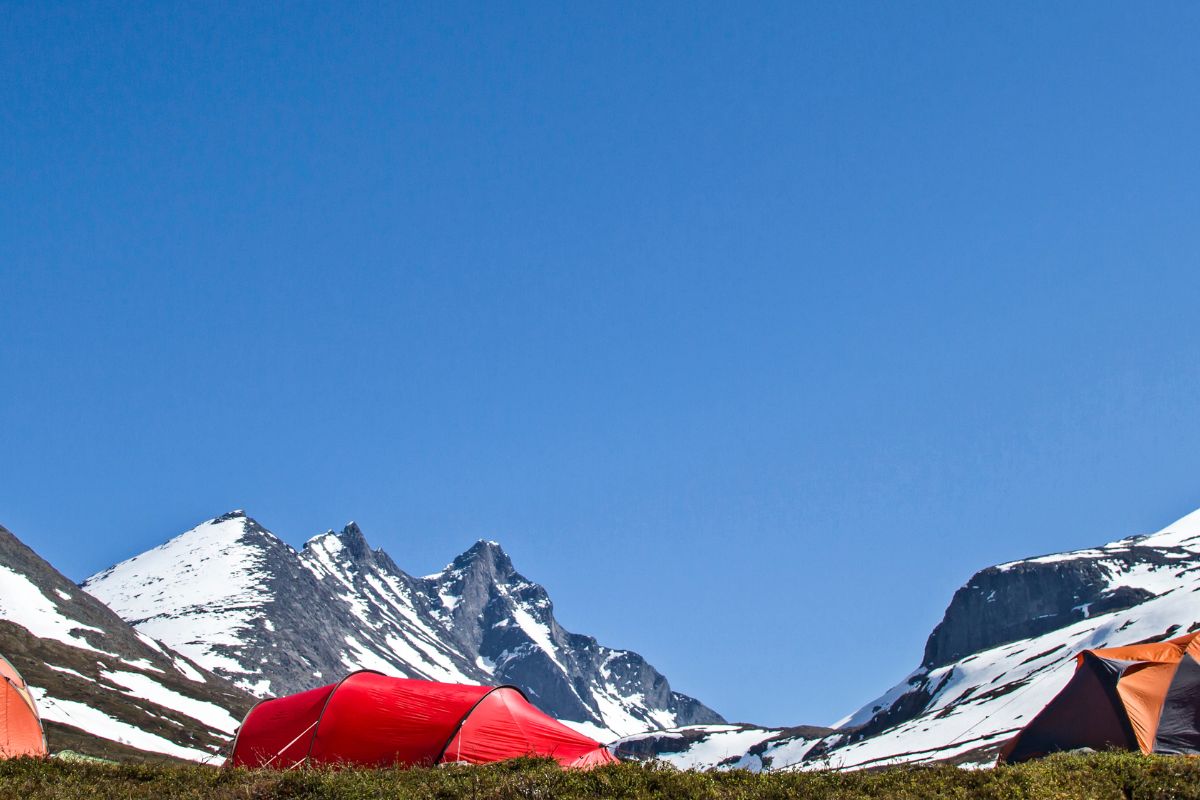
(238, 600)
(101, 687)
(723, 746)
(1005, 647)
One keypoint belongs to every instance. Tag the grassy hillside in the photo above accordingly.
(1117, 776)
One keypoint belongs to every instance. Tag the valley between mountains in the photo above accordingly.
(160, 656)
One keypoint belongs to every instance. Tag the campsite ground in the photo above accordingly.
(1116, 775)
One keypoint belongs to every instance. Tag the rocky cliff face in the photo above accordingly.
(276, 621)
(102, 687)
(508, 622)
(1028, 598)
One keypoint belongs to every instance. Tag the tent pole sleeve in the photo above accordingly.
(317, 725)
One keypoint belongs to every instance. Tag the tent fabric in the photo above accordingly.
(1179, 729)
(370, 719)
(21, 732)
(282, 733)
(1081, 715)
(373, 719)
(1139, 697)
(504, 724)
(1142, 689)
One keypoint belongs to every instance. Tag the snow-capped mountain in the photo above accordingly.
(241, 602)
(1005, 647)
(725, 746)
(503, 626)
(103, 688)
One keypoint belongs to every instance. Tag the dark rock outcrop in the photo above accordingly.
(1018, 601)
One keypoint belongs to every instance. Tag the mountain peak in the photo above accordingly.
(488, 556)
(236, 524)
(238, 521)
(354, 541)
(352, 544)
(349, 537)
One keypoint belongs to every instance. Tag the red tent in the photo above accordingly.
(369, 719)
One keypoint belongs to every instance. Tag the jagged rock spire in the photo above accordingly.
(485, 558)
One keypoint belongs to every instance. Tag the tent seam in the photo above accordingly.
(325, 706)
(238, 734)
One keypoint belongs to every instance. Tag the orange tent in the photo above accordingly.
(1142, 697)
(21, 731)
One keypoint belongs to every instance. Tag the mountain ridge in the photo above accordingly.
(276, 620)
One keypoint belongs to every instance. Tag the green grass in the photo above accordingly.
(1112, 775)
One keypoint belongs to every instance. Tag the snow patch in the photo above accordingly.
(96, 722)
(22, 602)
(186, 670)
(146, 688)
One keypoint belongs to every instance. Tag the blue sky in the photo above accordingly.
(750, 332)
